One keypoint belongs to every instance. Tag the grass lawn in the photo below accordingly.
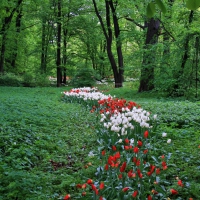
(45, 142)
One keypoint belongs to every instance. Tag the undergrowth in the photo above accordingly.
(45, 143)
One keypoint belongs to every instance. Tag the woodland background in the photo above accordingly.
(155, 44)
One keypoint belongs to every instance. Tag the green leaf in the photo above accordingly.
(193, 4)
(150, 10)
(161, 6)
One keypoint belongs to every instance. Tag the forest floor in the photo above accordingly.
(45, 143)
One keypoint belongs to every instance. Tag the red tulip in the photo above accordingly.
(145, 151)
(117, 155)
(154, 191)
(67, 197)
(101, 186)
(135, 193)
(149, 197)
(125, 189)
(126, 141)
(158, 171)
(94, 189)
(123, 167)
(83, 193)
(120, 176)
(106, 167)
(164, 165)
(126, 147)
(131, 174)
(173, 191)
(139, 143)
(146, 133)
(136, 149)
(103, 152)
(89, 181)
(163, 156)
(114, 148)
(180, 183)
(79, 185)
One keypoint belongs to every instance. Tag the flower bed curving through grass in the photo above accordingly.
(49, 147)
(132, 164)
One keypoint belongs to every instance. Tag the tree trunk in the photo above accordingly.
(58, 59)
(101, 57)
(18, 29)
(65, 31)
(197, 41)
(117, 67)
(178, 76)
(2, 55)
(119, 47)
(5, 27)
(44, 47)
(148, 64)
(186, 45)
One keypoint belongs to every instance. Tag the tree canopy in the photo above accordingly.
(155, 41)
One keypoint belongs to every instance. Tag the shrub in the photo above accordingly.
(42, 80)
(29, 80)
(10, 79)
(84, 77)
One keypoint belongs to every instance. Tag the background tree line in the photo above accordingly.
(156, 42)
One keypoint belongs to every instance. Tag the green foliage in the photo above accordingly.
(10, 79)
(36, 127)
(30, 80)
(193, 4)
(43, 143)
(161, 6)
(86, 43)
(151, 9)
(27, 80)
(42, 80)
(84, 77)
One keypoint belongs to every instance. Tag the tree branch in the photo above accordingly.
(137, 24)
(100, 19)
(167, 31)
(9, 18)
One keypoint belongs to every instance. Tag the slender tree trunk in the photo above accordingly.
(58, 59)
(44, 47)
(101, 57)
(18, 29)
(179, 75)
(148, 64)
(118, 46)
(2, 55)
(5, 27)
(186, 45)
(65, 31)
(117, 67)
(196, 64)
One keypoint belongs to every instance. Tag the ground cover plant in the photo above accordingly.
(43, 143)
(49, 146)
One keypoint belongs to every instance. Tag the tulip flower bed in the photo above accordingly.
(131, 165)
(49, 148)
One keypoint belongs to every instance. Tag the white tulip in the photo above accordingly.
(169, 141)
(120, 141)
(164, 134)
